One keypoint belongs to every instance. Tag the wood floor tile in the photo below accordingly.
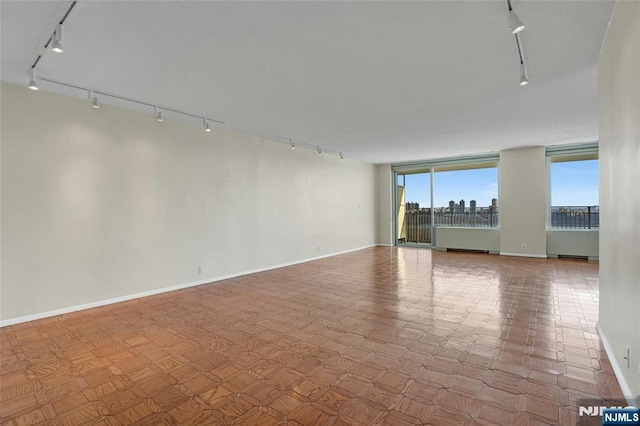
(396, 336)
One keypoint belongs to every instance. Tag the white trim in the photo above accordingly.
(539, 256)
(624, 385)
(76, 308)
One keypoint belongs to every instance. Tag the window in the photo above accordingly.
(445, 193)
(466, 196)
(574, 191)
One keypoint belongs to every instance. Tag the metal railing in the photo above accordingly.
(575, 217)
(483, 217)
(417, 223)
(417, 227)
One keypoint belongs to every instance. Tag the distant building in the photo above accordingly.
(462, 205)
(472, 206)
(452, 205)
(494, 204)
(411, 206)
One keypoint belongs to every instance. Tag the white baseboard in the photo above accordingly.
(76, 308)
(624, 386)
(538, 256)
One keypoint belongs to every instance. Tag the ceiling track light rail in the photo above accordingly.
(319, 149)
(158, 110)
(55, 40)
(516, 26)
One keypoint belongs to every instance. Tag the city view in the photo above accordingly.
(574, 199)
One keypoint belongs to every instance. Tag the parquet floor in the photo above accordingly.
(381, 336)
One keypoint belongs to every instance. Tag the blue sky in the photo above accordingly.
(572, 184)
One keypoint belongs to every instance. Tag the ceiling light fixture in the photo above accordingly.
(95, 102)
(159, 116)
(206, 125)
(515, 24)
(524, 78)
(320, 150)
(58, 35)
(33, 84)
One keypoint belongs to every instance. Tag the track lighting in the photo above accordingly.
(307, 145)
(95, 103)
(56, 45)
(515, 24)
(33, 85)
(524, 80)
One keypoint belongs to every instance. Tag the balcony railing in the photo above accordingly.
(417, 223)
(575, 217)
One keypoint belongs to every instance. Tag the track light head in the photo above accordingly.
(159, 115)
(33, 85)
(95, 102)
(293, 145)
(56, 45)
(319, 151)
(515, 24)
(524, 80)
(341, 156)
(207, 128)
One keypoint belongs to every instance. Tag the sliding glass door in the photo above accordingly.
(413, 213)
(448, 193)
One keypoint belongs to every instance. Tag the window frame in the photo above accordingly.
(490, 160)
(563, 154)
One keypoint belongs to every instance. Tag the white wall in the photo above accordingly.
(108, 203)
(385, 208)
(573, 242)
(468, 238)
(619, 128)
(523, 201)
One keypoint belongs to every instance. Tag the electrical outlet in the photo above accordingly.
(524, 246)
(200, 270)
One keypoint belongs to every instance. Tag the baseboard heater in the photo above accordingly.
(573, 257)
(462, 250)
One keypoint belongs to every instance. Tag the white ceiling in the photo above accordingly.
(381, 81)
